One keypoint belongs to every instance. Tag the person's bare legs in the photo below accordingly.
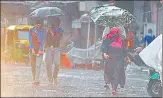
(49, 62)
(38, 68)
(55, 75)
(57, 64)
(33, 68)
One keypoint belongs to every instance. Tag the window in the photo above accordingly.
(147, 12)
(23, 35)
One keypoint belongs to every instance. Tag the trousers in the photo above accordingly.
(52, 58)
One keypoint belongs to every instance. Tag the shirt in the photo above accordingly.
(40, 36)
(149, 38)
(54, 40)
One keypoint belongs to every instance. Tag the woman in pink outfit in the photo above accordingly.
(114, 54)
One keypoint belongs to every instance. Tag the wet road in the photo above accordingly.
(16, 82)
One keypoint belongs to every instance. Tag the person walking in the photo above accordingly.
(114, 54)
(149, 37)
(36, 44)
(52, 45)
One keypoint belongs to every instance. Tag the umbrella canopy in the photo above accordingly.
(46, 11)
(111, 16)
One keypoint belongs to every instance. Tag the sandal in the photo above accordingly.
(114, 92)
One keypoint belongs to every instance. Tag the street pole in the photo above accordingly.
(88, 37)
(95, 40)
(5, 26)
(162, 17)
(88, 34)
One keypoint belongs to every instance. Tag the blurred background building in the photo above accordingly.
(148, 14)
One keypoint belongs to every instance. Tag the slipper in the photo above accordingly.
(114, 92)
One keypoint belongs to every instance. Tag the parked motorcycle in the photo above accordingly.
(154, 87)
(152, 56)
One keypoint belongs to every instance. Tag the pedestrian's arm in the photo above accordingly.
(105, 45)
(30, 40)
(42, 41)
(60, 35)
(102, 46)
(124, 48)
(46, 38)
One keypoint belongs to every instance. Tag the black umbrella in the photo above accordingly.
(46, 11)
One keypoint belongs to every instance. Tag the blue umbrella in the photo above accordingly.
(46, 11)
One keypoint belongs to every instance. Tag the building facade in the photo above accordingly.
(148, 15)
(14, 12)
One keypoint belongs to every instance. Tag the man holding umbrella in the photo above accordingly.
(52, 45)
(36, 43)
(53, 36)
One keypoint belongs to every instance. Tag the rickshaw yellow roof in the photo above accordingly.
(11, 27)
(15, 27)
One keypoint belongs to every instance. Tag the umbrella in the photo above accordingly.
(111, 16)
(46, 11)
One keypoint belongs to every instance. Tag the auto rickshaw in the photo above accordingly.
(16, 43)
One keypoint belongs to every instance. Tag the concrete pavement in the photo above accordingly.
(16, 82)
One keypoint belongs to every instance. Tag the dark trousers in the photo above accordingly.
(52, 57)
(114, 73)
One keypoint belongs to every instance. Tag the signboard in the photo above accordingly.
(82, 6)
(87, 5)
(76, 24)
(22, 21)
